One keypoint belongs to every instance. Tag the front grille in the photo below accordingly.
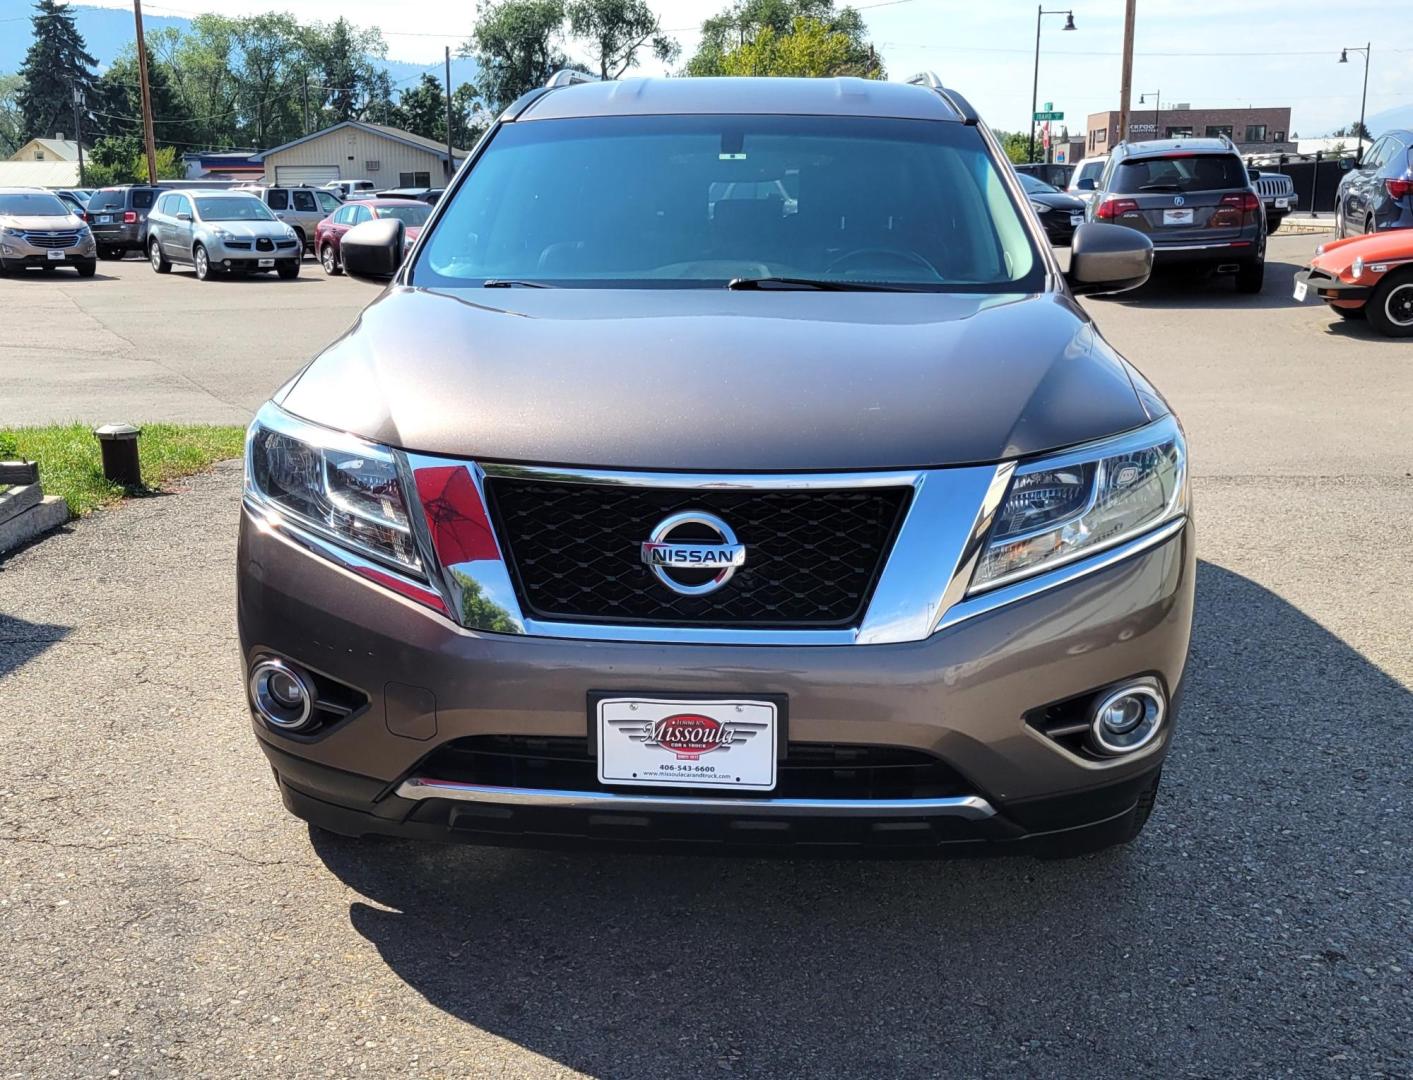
(286, 243)
(264, 243)
(238, 245)
(57, 240)
(808, 770)
(1274, 185)
(812, 556)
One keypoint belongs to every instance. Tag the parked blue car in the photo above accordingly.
(1378, 194)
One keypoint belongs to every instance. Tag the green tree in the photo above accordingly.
(117, 104)
(56, 64)
(11, 118)
(837, 45)
(516, 45)
(120, 159)
(201, 67)
(1016, 144)
(339, 59)
(617, 31)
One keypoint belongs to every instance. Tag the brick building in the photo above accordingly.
(1254, 131)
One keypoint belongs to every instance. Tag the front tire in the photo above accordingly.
(1251, 277)
(288, 270)
(329, 259)
(202, 261)
(86, 269)
(160, 262)
(1390, 306)
(109, 253)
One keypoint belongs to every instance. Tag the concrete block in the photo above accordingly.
(19, 499)
(49, 513)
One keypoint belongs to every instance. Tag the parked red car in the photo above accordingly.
(329, 232)
(1365, 275)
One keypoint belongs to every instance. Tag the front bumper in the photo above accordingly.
(17, 251)
(961, 696)
(1330, 288)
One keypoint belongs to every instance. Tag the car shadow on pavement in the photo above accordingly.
(21, 641)
(1175, 288)
(65, 277)
(1136, 959)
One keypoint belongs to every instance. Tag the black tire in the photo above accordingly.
(288, 270)
(329, 259)
(202, 263)
(109, 253)
(159, 262)
(303, 246)
(86, 269)
(1273, 222)
(1252, 276)
(1390, 305)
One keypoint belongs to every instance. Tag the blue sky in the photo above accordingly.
(1243, 52)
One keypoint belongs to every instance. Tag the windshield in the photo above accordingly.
(412, 214)
(1036, 187)
(700, 201)
(33, 204)
(1188, 172)
(246, 208)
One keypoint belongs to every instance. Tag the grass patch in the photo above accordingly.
(71, 465)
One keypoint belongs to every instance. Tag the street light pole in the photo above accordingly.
(78, 129)
(1035, 81)
(1157, 106)
(1364, 98)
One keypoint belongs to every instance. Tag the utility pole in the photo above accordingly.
(304, 80)
(450, 166)
(148, 135)
(1126, 78)
(78, 129)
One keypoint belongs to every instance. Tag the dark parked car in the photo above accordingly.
(118, 216)
(1193, 198)
(612, 519)
(1061, 214)
(329, 232)
(1377, 194)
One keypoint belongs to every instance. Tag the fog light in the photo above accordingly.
(1128, 719)
(281, 695)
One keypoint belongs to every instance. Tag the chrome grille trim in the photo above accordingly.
(54, 240)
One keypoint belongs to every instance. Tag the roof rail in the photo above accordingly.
(960, 105)
(569, 77)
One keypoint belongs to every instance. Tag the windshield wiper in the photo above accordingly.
(813, 283)
(513, 283)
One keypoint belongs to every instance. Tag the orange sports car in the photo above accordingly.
(1369, 275)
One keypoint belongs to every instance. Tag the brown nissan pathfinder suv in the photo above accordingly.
(728, 463)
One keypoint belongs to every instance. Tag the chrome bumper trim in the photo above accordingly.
(969, 807)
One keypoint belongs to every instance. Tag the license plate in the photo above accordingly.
(54, 256)
(1282, 204)
(1076, 220)
(1300, 290)
(700, 744)
(266, 262)
(105, 219)
(1177, 217)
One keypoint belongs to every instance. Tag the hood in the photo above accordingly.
(707, 379)
(275, 230)
(1058, 199)
(41, 223)
(1338, 254)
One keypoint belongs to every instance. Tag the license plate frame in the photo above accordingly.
(1178, 216)
(1076, 220)
(105, 219)
(620, 760)
(1283, 204)
(53, 255)
(265, 264)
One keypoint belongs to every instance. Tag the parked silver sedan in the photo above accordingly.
(220, 232)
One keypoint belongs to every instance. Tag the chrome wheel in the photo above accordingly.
(327, 258)
(203, 263)
(1398, 305)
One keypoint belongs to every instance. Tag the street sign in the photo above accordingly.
(1049, 116)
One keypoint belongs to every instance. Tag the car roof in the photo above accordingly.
(743, 96)
(22, 190)
(211, 193)
(1158, 147)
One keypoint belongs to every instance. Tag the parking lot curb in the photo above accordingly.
(26, 512)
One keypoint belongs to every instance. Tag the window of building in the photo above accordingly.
(1216, 131)
(1179, 132)
(39, 155)
(1278, 136)
(414, 179)
(1255, 132)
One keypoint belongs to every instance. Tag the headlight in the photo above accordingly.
(8, 231)
(1356, 268)
(334, 484)
(222, 234)
(1040, 208)
(1080, 502)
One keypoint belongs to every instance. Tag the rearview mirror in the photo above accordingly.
(1108, 259)
(1087, 184)
(373, 250)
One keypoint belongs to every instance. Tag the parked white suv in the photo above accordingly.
(302, 208)
(1084, 181)
(346, 189)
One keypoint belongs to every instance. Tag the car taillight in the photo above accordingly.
(1112, 208)
(129, 217)
(1246, 201)
(1399, 189)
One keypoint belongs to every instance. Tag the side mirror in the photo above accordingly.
(1108, 259)
(183, 217)
(1253, 174)
(1345, 164)
(373, 250)
(1087, 184)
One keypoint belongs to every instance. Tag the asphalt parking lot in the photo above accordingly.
(166, 918)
